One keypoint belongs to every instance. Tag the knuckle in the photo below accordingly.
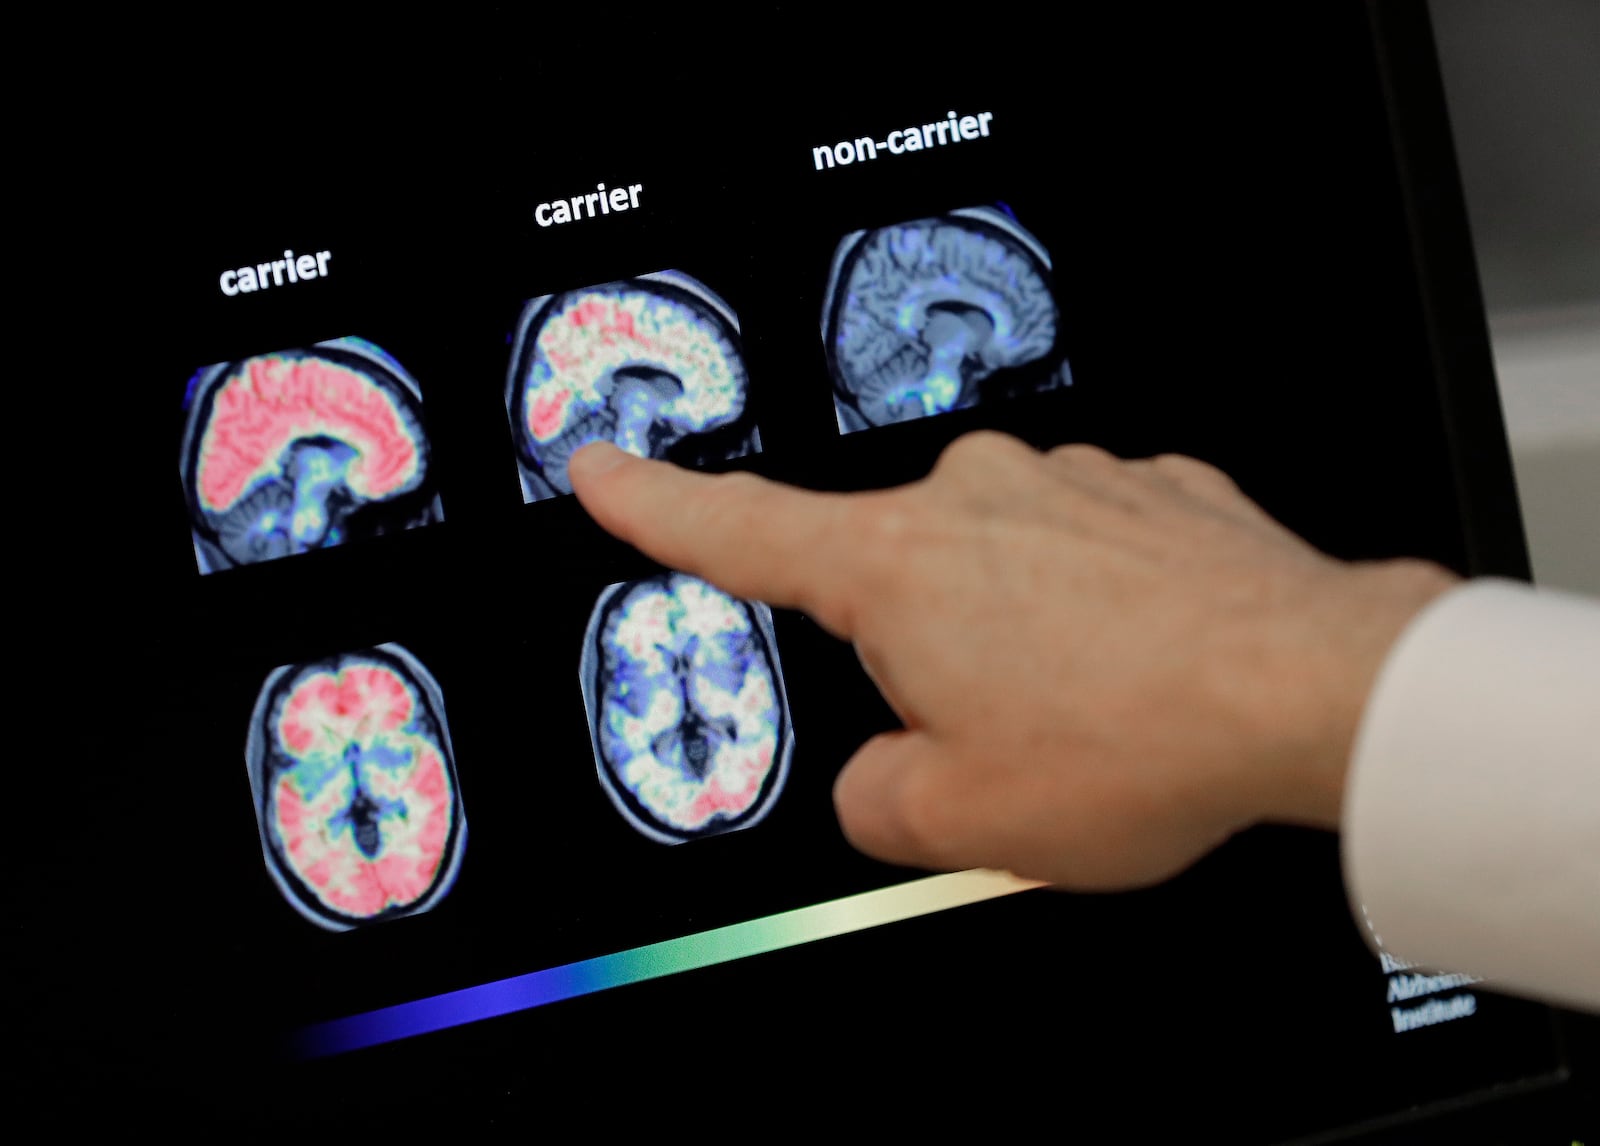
(981, 447)
(727, 497)
(884, 562)
(897, 527)
(739, 482)
(886, 525)
(1182, 466)
(886, 532)
(1086, 455)
(715, 518)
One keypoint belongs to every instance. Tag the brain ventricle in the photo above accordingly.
(361, 800)
(690, 726)
(303, 449)
(642, 364)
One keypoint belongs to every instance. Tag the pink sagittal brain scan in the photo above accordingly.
(939, 314)
(653, 364)
(303, 449)
(355, 787)
(687, 709)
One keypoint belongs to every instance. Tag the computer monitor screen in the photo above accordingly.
(415, 804)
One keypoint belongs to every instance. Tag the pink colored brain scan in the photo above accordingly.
(355, 789)
(652, 364)
(303, 449)
(687, 709)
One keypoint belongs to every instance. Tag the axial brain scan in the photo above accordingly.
(939, 314)
(355, 787)
(652, 364)
(686, 707)
(303, 449)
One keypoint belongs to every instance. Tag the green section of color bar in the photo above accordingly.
(819, 921)
(655, 960)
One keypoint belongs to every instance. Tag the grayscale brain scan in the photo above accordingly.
(652, 364)
(687, 709)
(939, 314)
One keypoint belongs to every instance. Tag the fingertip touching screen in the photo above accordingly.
(652, 365)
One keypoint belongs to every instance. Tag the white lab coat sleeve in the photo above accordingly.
(1471, 819)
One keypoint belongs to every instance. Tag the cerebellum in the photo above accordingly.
(687, 709)
(355, 786)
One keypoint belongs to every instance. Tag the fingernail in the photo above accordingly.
(596, 458)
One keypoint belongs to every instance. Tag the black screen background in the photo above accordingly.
(1233, 272)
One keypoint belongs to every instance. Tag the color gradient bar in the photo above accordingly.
(655, 960)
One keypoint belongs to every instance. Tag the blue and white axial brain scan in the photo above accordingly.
(939, 314)
(687, 709)
(652, 364)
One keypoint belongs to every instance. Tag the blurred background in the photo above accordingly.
(1522, 79)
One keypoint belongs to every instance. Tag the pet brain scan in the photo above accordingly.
(686, 706)
(652, 364)
(936, 315)
(303, 449)
(355, 787)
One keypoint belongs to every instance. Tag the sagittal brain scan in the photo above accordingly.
(939, 314)
(303, 449)
(653, 364)
(355, 787)
(686, 707)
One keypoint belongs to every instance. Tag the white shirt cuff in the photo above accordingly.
(1471, 821)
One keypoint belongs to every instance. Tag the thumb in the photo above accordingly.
(889, 803)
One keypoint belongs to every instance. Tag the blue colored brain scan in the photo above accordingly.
(686, 704)
(652, 364)
(939, 314)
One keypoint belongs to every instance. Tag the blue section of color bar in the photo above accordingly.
(685, 953)
(457, 1008)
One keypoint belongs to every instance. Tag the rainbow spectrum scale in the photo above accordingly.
(656, 960)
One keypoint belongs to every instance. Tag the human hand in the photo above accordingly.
(1105, 668)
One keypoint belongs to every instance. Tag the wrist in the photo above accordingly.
(1355, 627)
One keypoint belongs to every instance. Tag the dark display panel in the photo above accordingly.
(1180, 236)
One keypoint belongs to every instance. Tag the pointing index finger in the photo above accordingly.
(752, 537)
